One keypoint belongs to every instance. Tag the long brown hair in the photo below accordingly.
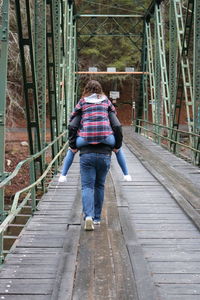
(93, 86)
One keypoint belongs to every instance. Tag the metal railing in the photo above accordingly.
(30, 190)
(175, 140)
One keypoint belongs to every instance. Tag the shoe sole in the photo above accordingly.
(89, 225)
(96, 223)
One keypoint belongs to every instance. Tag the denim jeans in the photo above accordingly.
(94, 168)
(80, 142)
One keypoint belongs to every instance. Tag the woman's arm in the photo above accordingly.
(77, 110)
(111, 107)
(117, 129)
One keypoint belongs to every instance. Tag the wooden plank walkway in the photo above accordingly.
(146, 247)
(169, 239)
(31, 270)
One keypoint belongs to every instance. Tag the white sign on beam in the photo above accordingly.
(129, 69)
(93, 69)
(111, 69)
(114, 94)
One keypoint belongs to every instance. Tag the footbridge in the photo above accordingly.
(147, 245)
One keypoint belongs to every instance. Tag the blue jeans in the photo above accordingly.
(80, 142)
(94, 168)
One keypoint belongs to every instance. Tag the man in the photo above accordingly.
(95, 162)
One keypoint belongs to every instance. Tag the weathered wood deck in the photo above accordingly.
(146, 247)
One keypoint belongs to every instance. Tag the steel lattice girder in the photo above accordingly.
(196, 71)
(40, 62)
(196, 74)
(29, 80)
(185, 66)
(4, 29)
(151, 68)
(163, 66)
(108, 25)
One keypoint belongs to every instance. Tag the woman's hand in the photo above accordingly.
(73, 150)
(115, 150)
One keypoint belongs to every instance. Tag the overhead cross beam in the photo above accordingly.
(108, 25)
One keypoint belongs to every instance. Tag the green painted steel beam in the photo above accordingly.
(151, 68)
(74, 64)
(157, 75)
(63, 95)
(185, 66)
(151, 9)
(196, 65)
(163, 65)
(108, 16)
(40, 64)
(4, 29)
(70, 60)
(92, 28)
(172, 55)
(144, 79)
(196, 78)
(29, 80)
(51, 78)
(109, 34)
(56, 8)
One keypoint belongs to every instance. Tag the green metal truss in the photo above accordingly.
(108, 25)
(144, 101)
(151, 69)
(40, 63)
(4, 30)
(172, 56)
(26, 44)
(70, 59)
(196, 74)
(157, 68)
(51, 77)
(163, 65)
(183, 44)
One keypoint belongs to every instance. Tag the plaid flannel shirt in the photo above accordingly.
(95, 124)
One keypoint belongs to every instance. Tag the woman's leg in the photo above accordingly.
(80, 142)
(110, 140)
(122, 161)
(70, 156)
(67, 162)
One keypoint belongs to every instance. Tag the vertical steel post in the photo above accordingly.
(4, 30)
(51, 77)
(32, 180)
(185, 67)
(25, 36)
(142, 106)
(158, 99)
(172, 55)
(196, 72)
(164, 75)
(151, 68)
(69, 60)
(57, 51)
(63, 104)
(40, 63)
(144, 81)
(73, 63)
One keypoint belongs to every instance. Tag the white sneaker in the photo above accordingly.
(89, 223)
(96, 222)
(62, 178)
(127, 178)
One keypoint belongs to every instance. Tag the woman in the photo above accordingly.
(95, 127)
